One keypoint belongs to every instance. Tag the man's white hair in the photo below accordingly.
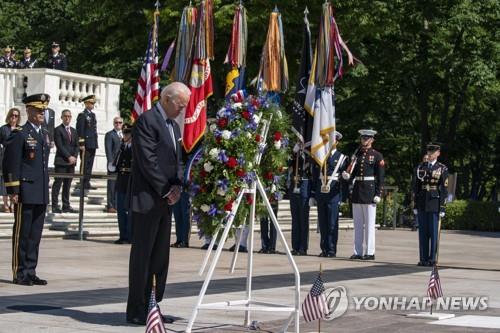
(175, 89)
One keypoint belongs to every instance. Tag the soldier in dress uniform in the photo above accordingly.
(57, 60)
(430, 189)
(366, 171)
(328, 191)
(299, 189)
(7, 60)
(86, 126)
(122, 164)
(26, 176)
(27, 62)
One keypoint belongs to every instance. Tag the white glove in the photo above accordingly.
(441, 214)
(415, 211)
(312, 202)
(376, 199)
(346, 175)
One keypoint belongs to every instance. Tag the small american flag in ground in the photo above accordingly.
(434, 290)
(148, 84)
(315, 306)
(154, 322)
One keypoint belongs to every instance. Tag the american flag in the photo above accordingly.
(154, 322)
(148, 84)
(315, 306)
(434, 290)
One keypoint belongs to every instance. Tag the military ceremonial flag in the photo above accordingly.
(273, 71)
(315, 305)
(236, 53)
(184, 49)
(200, 83)
(434, 290)
(302, 121)
(320, 98)
(154, 321)
(148, 84)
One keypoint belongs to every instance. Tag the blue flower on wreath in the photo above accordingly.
(222, 156)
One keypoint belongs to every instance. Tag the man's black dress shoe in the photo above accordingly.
(69, 210)
(56, 210)
(183, 245)
(356, 256)
(262, 251)
(331, 255)
(167, 319)
(422, 263)
(23, 282)
(322, 255)
(302, 253)
(37, 281)
(176, 244)
(368, 257)
(119, 241)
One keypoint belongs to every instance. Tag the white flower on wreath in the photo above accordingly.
(208, 166)
(256, 118)
(226, 135)
(279, 114)
(237, 105)
(250, 165)
(248, 135)
(277, 144)
(221, 112)
(214, 153)
(213, 127)
(273, 188)
(205, 208)
(221, 192)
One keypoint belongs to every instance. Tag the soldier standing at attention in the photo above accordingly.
(329, 190)
(57, 60)
(7, 60)
(26, 176)
(366, 171)
(430, 189)
(27, 62)
(86, 126)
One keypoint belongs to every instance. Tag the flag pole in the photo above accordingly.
(438, 243)
(319, 320)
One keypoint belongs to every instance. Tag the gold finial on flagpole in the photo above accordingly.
(154, 281)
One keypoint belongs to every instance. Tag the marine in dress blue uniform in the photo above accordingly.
(366, 171)
(299, 192)
(57, 60)
(25, 170)
(430, 189)
(328, 191)
(86, 126)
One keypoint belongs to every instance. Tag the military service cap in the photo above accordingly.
(7, 49)
(367, 132)
(89, 99)
(433, 146)
(127, 129)
(338, 135)
(54, 44)
(39, 101)
(27, 50)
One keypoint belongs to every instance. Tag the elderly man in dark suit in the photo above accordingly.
(112, 143)
(155, 187)
(66, 140)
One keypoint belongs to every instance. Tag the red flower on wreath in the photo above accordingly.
(228, 206)
(203, 173)
(203, 189)
(222, 122)
(240, 173)
(257, 138)
(246, 115)
(231, 162)
(236, 190)
(268, 175)
(218, 140)
(249, 199)
(277, 136)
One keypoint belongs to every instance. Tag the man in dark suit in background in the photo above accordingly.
(86, 126)
(66, 140)
(49, 123)
(112, 143)
(156, 186)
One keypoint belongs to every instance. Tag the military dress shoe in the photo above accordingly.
(356, 256)
(241, 248)
(167, 319)
(262, 251)
(69, 210)
(422, 263)
(368, 257)
(176, 244)
(38, 282)
(23, 282)
(111, 210)
(119, 241)
(136, 321)
(322, 255)
(331, 255)
(271, 251)
(183, 245)
(302, 253)
(56, 210)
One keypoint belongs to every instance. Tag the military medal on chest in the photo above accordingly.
(31, 145)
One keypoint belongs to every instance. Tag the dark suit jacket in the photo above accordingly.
(5, 131)
(49, 127)
(65, 148)
(112, 143)
(25, 165)
(156, 166)
(86, 126)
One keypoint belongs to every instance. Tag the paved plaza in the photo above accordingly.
(87, 288)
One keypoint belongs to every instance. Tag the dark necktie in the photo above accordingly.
(69, 133)
(170, 127)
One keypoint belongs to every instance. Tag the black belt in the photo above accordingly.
(429, 187)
